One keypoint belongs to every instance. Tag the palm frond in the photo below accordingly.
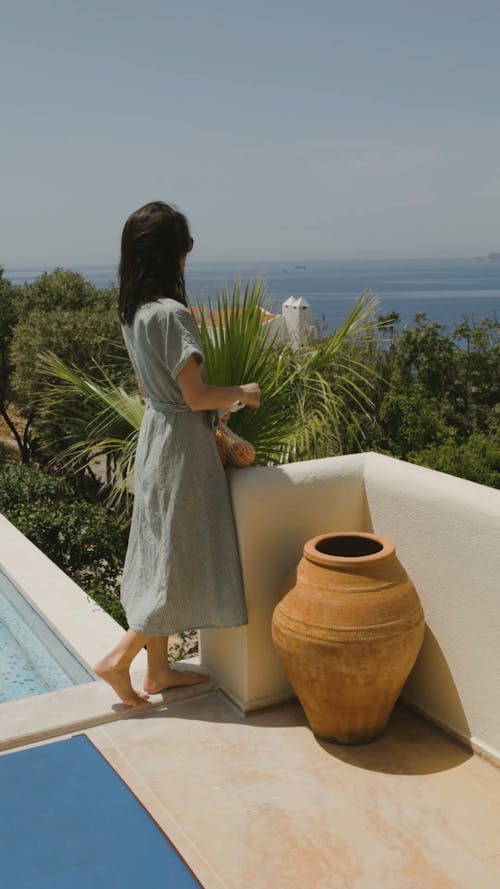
(99, 419)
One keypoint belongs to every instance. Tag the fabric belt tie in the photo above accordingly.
(167, 407)
(172, 407)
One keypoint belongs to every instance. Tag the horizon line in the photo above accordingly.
(77, 266)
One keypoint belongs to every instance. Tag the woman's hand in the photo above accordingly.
(251, 395)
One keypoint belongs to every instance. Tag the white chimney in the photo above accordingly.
(297, 314)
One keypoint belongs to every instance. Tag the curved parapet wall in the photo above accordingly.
(447, 535)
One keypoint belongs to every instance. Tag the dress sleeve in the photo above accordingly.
(181, 340)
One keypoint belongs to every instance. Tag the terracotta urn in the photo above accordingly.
(348, 630)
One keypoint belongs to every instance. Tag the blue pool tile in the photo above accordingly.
(33, 659)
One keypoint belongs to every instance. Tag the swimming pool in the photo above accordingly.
(33, 658)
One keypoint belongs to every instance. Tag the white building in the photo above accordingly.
(297, 315)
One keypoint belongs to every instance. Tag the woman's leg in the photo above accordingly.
(114, 667)
(160, 675)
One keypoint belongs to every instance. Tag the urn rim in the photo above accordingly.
(378, 548)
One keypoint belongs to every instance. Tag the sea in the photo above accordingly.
(446, 290)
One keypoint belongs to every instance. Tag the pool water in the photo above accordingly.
(33, 658)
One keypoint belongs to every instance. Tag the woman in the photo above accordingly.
(182, 567)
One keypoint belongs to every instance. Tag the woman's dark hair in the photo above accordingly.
(154, 239)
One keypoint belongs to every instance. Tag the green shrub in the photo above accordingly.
(8, 454)
(477, 459)
(81, 537)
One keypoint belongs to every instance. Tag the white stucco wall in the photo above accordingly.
(447, 535)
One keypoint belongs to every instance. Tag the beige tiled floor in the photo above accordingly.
(256, 802)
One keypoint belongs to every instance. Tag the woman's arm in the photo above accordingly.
(201, 397)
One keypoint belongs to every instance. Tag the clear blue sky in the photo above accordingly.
(283, 129)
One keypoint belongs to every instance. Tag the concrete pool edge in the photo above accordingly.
(49, 715)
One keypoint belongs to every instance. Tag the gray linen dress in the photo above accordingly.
(182, 568)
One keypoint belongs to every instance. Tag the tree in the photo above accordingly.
(410, 420)
(78, 535)
(88, 337)
(64, 313)
(60, 289)
(479, 372)
(436, 402)
(477, 459)
(8, 320)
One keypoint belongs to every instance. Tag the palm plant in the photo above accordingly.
(309, 394)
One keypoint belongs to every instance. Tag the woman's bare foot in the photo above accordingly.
(169, 678)
(119, 680)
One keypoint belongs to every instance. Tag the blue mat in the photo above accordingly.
(69, 822)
